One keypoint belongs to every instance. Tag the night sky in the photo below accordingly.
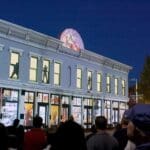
(118, 29)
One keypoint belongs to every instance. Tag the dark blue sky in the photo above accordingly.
(119, 29)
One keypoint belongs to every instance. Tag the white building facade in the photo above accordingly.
(38, 75)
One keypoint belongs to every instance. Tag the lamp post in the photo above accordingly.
(136, 88)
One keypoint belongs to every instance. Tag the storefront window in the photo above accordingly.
(76, 110)
(43, 97)
(122, 108)
(9, 106)
(88, 110)
(115, 112)
(65, 100)
(65, 108)
(97, 107)
(55, 109)
(29, 99)
(107, 111)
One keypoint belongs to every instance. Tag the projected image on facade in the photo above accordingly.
(72, 39)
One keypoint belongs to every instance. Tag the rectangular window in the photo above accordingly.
(33, 69)
(116, 86)
(79, 78)
(108, 84)
(43, 97)
(89, 80)
(123, 87)
(29, 97)
(57, 69)
(99, 82)
(14, 66)
(45, 71)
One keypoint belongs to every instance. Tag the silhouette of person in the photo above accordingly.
(89, 83)
(45, 73)
(15, 71)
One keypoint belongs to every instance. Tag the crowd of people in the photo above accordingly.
(132, 134)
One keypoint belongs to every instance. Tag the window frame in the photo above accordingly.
(57, 75)
(33, 69)
(79, 78)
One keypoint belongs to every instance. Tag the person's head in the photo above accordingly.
(101, 122)
(16, 122)
(93, 128)
(37, 122)
(139, 123)
(71, 118)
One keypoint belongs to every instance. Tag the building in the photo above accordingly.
(40, 75)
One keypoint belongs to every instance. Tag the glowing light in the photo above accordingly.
(72, 39)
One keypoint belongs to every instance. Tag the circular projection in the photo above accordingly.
(72, 39)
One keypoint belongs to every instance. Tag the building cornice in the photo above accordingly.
(31, 37)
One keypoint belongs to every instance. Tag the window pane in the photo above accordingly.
(45, 72)
(33, 75)
(89, 80)
(57, 74)
(57, 67)
(99, 82)
(14, 66)
(33, 69)
(33, 62)
(79, 78)
(116, 86)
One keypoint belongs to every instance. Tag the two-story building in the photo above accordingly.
(41, 75)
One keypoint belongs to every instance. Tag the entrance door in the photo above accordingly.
(87, 117)
(43, 112)
(64, 112)
(54, 115)
(115, 115)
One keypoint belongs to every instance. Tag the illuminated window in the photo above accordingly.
(99, 82)
(89, 78)
(79, 78)
(43, 97)
(123, 87)
(33, 69)
(108, 84)
(57, 69)
(29, 97)
(14, 66)
(45, 71)
(116, 86)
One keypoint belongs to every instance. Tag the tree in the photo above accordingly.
(144, 83)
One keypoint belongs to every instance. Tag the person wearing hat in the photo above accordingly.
(138, 129)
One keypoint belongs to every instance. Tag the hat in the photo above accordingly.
(140, 116)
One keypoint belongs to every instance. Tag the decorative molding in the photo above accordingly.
(30, 37)
(13, 49)
(31, 54)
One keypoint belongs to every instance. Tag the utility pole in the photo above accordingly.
(136, 90)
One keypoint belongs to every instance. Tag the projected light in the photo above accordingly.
(72, 39)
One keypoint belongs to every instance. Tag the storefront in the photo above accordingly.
(41, 75)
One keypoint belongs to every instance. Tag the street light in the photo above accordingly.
(136, 88)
